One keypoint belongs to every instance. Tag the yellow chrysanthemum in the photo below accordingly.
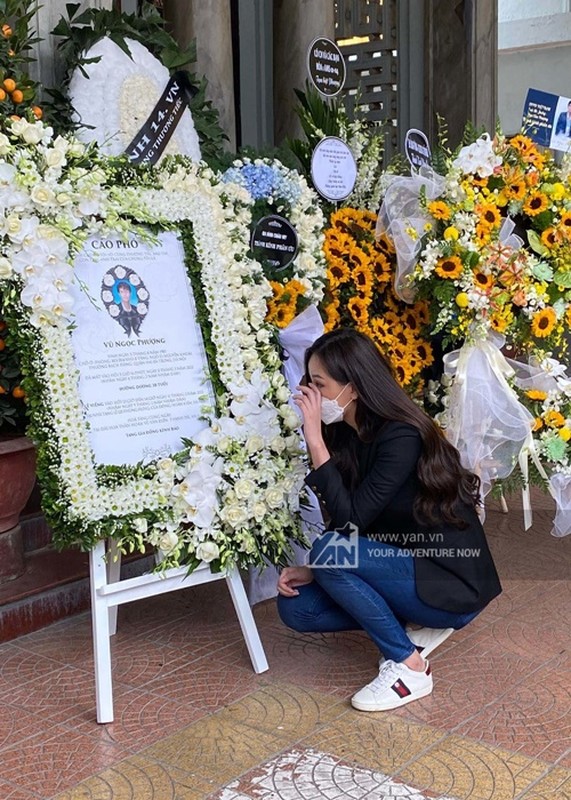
(538, 424)
(536, 394)
(536, 203)
(543, 322)
(554, 419)
(439, 210)
(565, 434)
(451, 234)
(449, 267)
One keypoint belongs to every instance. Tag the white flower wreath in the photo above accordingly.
(113, 98)
(233, 495)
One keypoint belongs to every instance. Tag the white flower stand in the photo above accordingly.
(108, 592)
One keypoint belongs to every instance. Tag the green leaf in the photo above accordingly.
(536, 244)
(563, 279)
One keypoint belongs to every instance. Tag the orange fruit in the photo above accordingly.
(37, 111)
(7, 31)
(3, 390)
(2, 95)
(9, 84)
(17, 96)
(18, 392)
(2, 344)
(15, 117)
(3, 325)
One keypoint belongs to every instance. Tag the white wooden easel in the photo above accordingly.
(108, 592)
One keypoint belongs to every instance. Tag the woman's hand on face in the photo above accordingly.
(309, 402)
(291, 577)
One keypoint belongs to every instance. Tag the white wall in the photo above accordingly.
(534, 41)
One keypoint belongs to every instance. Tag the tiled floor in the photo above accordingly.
(192, 720)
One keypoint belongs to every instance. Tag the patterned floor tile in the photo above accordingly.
(381, 741)
(533, 718)
(47, 764)
(141, 779)
(217, 747)
(9, 792)
(555, 786)
(287, 712)
(471, 771)
(18, 666)
(140, 719)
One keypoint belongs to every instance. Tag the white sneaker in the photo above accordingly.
(428, 639)
(395, 686)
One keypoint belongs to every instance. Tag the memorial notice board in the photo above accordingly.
(138, 348)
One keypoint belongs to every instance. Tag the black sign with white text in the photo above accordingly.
(417, 148)
(326, 66)
(150, 142)
(274, 240)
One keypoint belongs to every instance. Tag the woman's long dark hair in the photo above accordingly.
(351, 357)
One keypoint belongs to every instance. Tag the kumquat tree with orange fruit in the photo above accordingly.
(17, 90)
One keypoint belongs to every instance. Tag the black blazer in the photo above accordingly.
(454, 568)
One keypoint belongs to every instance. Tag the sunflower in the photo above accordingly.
(499, 323)
(523, 144)
(410, 320)
(536, 394)
(385, 244)
(449, 267)
(332, 316)
(543, 322)
(535, 204)
(565, 223)
(338, 272)
(515, 189)
(439, 210)
(337, 244)
(489, 215)
(483, 235)
(359, 309)
(424, 353)
(550, 237)
(482, 280)
(380, 268)
(538, 424)
(363, 278)
(554, 419)
(422, 312)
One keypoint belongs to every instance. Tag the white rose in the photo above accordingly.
(274, 497)
(19, 126)
(4, 144)
(254, 443)
(207, 551)
(32, 134)
(282, 394)
(55, 158)
(244, 488)
(5, 268)
(13, 225)
(168, 541)
(42, 196)
(291, 419)
(235, 515)
(223, 444)
(278, 444)
(140, 524)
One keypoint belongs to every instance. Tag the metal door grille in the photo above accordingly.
(367, 35)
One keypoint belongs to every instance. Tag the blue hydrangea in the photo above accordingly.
(264, 181)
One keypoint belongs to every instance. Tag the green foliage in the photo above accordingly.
(16, 42)
(12, 403)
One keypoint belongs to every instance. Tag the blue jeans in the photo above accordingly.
(377, 596)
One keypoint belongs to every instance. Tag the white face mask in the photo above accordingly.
(331, 411)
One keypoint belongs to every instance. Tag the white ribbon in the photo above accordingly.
(401, 213)
(486, 422)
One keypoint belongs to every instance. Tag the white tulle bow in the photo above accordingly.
(486, 421)
(402, 218)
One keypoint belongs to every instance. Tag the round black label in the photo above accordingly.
(417, 148)
(274, 241)
(326, 66)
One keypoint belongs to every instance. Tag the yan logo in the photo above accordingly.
(338, 548)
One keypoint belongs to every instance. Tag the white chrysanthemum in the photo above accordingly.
(119, 95)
